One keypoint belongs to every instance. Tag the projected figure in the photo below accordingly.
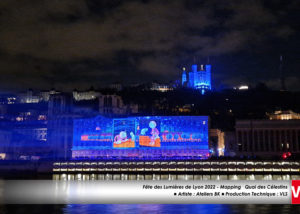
(121, 140)
(154, 132)
(153, 140)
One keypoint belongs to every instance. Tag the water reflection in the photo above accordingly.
(148, 208)
(186, 209)
(151, 209)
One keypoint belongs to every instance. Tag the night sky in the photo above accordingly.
(70, 44)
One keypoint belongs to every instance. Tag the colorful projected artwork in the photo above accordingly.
(141, 137)
(121, 140)
(149, 136)
(124, 130)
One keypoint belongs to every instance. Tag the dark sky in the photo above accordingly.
(70, 44)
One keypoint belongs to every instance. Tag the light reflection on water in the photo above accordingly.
(151, 209)
(181, 208)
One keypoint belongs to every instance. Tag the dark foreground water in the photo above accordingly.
(151, 209)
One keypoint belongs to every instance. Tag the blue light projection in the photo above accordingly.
(159, 137)
(198, 79)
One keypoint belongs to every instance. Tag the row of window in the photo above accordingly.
(268, 140)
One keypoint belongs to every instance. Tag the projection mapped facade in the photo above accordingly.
(141, 137)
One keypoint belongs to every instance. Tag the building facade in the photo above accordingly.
(5, 139)
(85, 95)
(145, 137)
(110, 105)
(284, 115)
(60, 125)
(161, 87)
(216, 142)
(267, 137)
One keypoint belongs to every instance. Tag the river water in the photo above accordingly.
(151, 209)
(186, 209)
(154, 208)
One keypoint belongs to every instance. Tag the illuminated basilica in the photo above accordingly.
(199, 79)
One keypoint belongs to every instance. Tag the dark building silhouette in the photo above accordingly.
(60, 125)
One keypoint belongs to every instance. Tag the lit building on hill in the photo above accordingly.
(199, 79)
(284, 115)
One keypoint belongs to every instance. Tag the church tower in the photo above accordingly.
(197, 79)
(184, 79)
